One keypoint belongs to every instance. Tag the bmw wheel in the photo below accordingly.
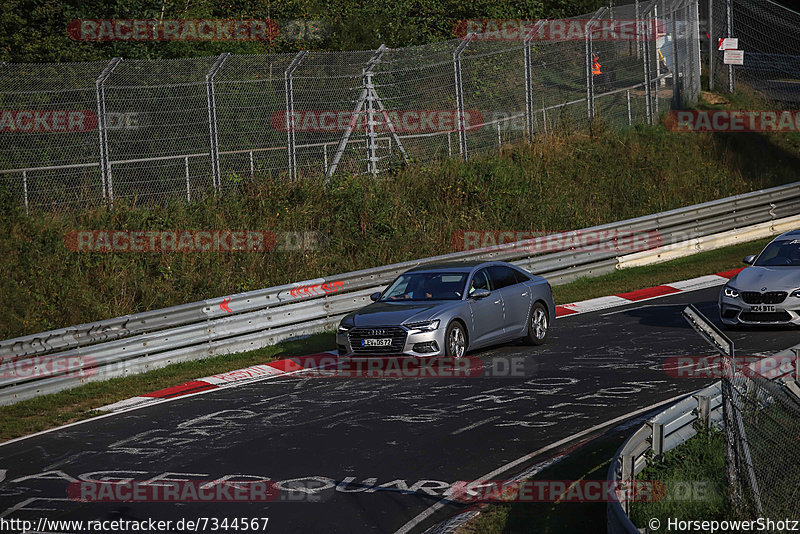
(455, 340)
(538, 325)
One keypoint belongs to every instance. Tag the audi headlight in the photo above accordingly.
(796, 293)
(346, 324)
(731, 292)
(423, 326)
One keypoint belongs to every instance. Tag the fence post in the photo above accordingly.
(654, 32)
(677, 102)
(636, 35)
(186, 167)
(628, 99)
(589, 53)
(25, 189)
(212, 119)
(589, 76)
(729, 17)
(462, 132)
(710, 45)
(647, 81)
(105, 167)
(371, 141)
(290, 119)
(529, 78)
(528, 86)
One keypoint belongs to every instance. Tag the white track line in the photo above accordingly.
(422, 516)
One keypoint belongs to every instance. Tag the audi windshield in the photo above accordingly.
(426, 286)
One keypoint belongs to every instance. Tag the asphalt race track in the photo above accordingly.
(370, 455)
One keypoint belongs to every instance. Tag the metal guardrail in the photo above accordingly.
(660, 434)
(148, 340)
(677, 424)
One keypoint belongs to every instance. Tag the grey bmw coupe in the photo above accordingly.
(767, 292)
(447, 309)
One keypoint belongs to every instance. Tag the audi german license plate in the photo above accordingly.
(382, 342)
(762, 308)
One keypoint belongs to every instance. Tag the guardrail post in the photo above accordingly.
(290, 118)
(105, 166)
(704, 410)
(212, 119)
(627, 476)
(658, 438)
(462, 132)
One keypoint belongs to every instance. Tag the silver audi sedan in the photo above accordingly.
(447, 309)
(767, 292)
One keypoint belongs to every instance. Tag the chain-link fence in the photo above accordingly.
(768, 34)
(149, 131)
(762, 433)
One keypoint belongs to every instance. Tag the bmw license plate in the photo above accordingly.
(383, 342)
(762, 308)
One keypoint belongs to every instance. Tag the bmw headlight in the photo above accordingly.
(423, 326)
(731, 292)
(346, 324)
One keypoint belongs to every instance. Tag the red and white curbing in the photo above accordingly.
(623, 299)
(239, 377)
(293, 365)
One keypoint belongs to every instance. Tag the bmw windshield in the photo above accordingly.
(426, 286)
(784, 253)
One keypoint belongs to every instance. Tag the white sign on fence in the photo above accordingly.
(728, 43)
(733, 57)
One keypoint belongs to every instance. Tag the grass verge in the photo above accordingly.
(697, 467)
(557, 182)
(80, 403)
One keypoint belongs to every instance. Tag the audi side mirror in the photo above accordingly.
(375, 297)
(749, 260)
(480, 294)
